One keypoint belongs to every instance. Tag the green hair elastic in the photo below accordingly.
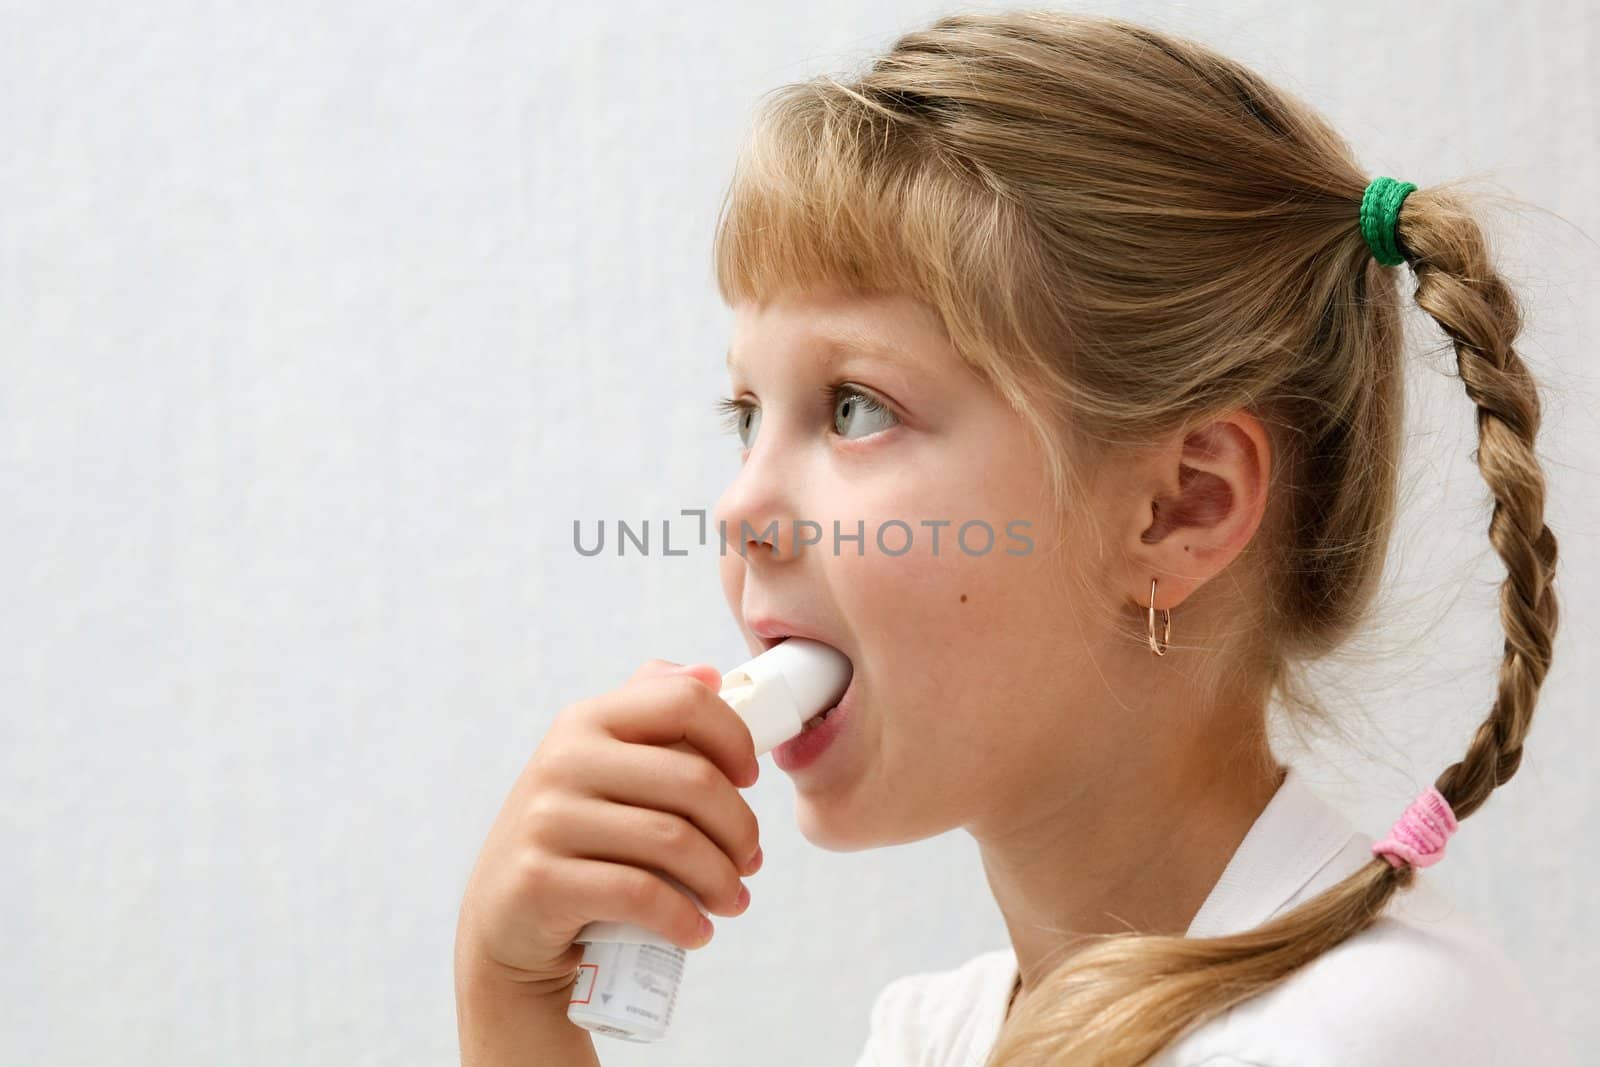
(1380, 208)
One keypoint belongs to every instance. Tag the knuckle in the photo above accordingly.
(640, 890)
(704, 777)
(542, 810)
(685, 691)
(669, 832)
(545, 817)
(670, 686)
(555, 751)
(533, 875)
(576, 711)
(650, 668)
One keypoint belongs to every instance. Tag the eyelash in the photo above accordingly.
(733, 411)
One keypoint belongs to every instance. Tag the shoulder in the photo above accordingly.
(938, 1015)
(1421, 987)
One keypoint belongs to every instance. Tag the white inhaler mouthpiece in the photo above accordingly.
(628, 978)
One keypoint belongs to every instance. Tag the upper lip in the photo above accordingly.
(771, 630)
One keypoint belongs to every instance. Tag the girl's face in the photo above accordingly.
(970, 655)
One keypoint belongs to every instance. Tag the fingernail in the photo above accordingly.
(753, 864)
(744, 897)
(705, 929)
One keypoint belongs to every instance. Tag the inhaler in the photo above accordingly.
(628, 979)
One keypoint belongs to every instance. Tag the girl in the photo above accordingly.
(1064, 277)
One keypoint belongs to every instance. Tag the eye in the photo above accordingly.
(740, 417)
(855, 409)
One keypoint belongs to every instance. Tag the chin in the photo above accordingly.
(834, 837)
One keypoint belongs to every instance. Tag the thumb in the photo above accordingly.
(658, 668)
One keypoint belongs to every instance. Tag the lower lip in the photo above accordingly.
(806, 747)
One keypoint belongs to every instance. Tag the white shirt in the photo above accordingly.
(1421, 987)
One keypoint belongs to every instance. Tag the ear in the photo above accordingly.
(1196, 501)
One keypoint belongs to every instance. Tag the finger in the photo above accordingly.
(592, 828)
(617, 892)
(682, 783)
(680, 709)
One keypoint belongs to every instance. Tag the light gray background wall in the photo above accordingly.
(318, 328)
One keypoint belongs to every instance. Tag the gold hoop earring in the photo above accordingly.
(1166, 625)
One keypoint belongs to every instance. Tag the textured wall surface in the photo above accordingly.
(319, 326)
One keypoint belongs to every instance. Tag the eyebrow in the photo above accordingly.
(839, 346)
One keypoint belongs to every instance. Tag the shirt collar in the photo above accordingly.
(1294, 838)
(1298, 846)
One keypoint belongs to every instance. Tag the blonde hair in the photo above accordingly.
(1125, 233)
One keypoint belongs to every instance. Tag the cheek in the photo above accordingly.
(934, 632)
(959, 594)
(948, 638)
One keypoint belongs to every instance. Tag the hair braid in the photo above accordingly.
(1457, 285)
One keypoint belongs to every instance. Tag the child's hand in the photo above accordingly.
(637, 778)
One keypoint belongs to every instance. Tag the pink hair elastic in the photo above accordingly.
(1419, 835)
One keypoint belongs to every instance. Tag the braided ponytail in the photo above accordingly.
(1457, 285)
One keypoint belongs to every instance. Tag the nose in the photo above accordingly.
(755, 514)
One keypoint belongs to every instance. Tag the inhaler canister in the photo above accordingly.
(628, 978)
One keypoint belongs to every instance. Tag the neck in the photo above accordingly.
(1120, 859)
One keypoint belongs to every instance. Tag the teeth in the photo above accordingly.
(812, 724)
